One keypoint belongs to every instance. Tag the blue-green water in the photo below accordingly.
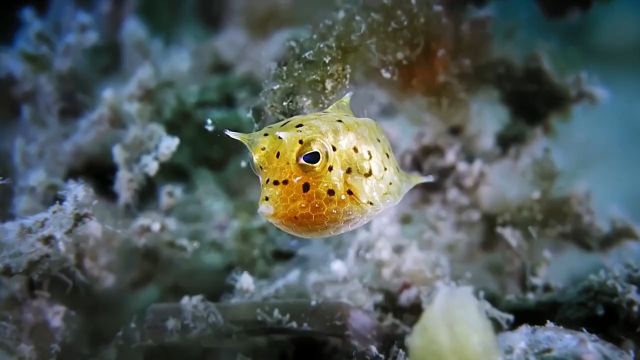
(599, 148)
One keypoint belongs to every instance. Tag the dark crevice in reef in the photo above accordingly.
(99, 173)
(9, 19)
(561, 9)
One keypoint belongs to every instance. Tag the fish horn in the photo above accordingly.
(342, 106)
(243, 138)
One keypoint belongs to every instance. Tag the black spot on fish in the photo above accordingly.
(331, 192)
(299, 126)
(266, 198)
(369, 173)
(387, 155)
(260, 166)
(370, 155)
(276, 182)
(300, 142)
(266, 182)
(306, 187)
(371, 203)
(333, 147)
(265, 134)
(390, 183)
(378, 139)
(348, 170)
(285, 123)
(330, 168)
(285, 182)
(355, 149)
(349, 192)
(279, 137)
(278, 155)
(340, 121)
(263, 148)
(385, 168)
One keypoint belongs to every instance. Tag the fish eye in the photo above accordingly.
(311, 158)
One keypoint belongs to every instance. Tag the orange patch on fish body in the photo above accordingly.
(325, 173)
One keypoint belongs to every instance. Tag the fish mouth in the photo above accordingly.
(266, 210)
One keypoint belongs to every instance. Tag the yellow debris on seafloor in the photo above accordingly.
(453, 327)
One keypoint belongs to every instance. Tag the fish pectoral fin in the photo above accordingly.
(342, 106)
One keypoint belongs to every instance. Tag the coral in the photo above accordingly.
(34, 327)
(66, 236)
(195, 320)
(40, 72)
(362, 268)
(122, 115)
(138, 156)
(532, 94)
(414, 43)
(554, 342)
(533, 206)
(611, 294)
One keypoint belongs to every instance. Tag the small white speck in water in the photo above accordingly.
(243, 163)
(386, 73)
(245, 283)
(339, 268)
(208, 125)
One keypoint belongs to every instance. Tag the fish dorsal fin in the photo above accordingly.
(342, 106)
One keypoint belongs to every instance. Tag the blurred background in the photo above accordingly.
(129, 226)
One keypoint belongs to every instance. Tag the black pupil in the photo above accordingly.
(312, 157)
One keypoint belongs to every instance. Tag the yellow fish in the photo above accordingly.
(325, 173)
